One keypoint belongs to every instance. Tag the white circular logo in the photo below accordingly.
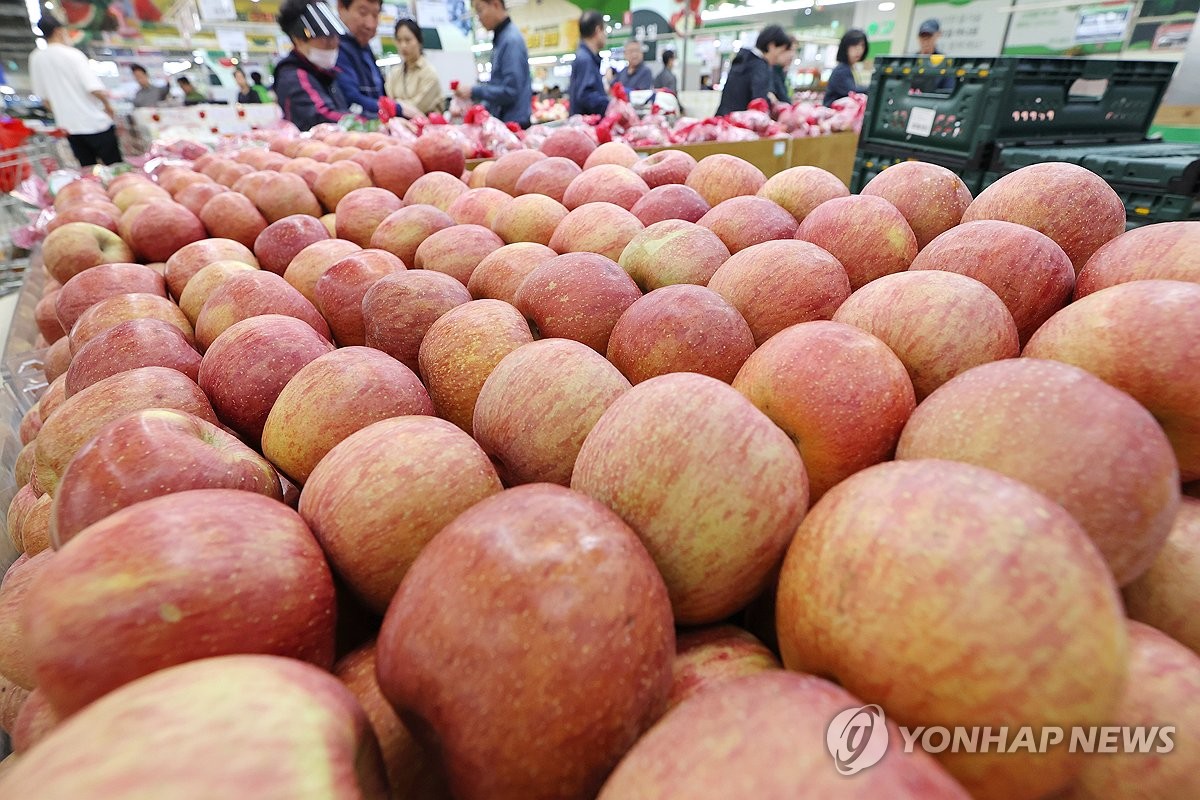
(857, 738)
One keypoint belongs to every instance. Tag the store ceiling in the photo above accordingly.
(16, 38)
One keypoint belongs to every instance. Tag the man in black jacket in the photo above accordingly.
(305, 83)
(750, 75)
(586, 88)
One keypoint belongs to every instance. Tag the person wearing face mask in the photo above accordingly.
(358, 75)
(305, 80)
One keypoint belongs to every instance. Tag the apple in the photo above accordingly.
(114, 310)
(710, 658)
(1029, 272)
(151, 453)
(23, 468)
(53, 397)
(77, 246)
(106, 215)
(477, 206)
(402, 231)
(307, 267)
(462, 348)
(719, 177)
(280, 241)
(437, 189)
(1167, 595)
(456, 251)
(672, 252)
(205, 282)
(765, 736)
(396, 168)
(438, 151)
(330, 222)
(284, 195)
(617, 153)
(444, 473)
(938, 323)
(509, 168)
(775, 285)
(198, 711)
(932, 198)
(713, 488)
(195, 196)
(248, 365)
(14, 656)
(841, 395)
(670, 201)
(35, 527)
(549, 176)
(1166, 251)
(801, 189)
(340, 290)
(399, 308)
(1033, 196)
(602, 228)
(537, 406)
(307, 168)
(606, 183)
(250, 294)
(342, 178)
(232, 216)
(331, 398)
(743, 222)
(99, 283)
(18, 509)
(572, 143)
(35, 720)
(360, 211)
(1081, 443)
(578, 714)
(665, 167)
(500, 273)
(31, 423)
(411, 772)
(478, 177)
(162, 229)
(142, 191)
(81, 190)
(81, 416)
(45, 314)
(974, 534)
(681, 328)
(867, 234)
(528, 218)
(129, 345)
(577, 296)
(1164, 678)
(198, 255)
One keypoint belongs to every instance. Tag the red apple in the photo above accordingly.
(205, 282)
(331, 398)
(396, 168)
(500, 273)
(509, 168)
(528, 218)
(670, 201)
(743, 222)
(147, 454)
(198, 255)
(114, 310)
(801, 189)
(867, 234)
(775, 285)
(932, 198)
(131, 344)
(477, 206)
(340, 290)
(78, 246)
(1166, 251)
(14, 656)
(141, 191)
(307, 267)
(437, 189)
(571, 143)
(617, 153)
(162, 229)
(196, 195)
(710, 658)
(399, 308)
(457, 251)
(35, 720)
(360, 211)
(283, 195)
(665, 167)
(438, 151)
(719, 177)
(251, 294)
(45, 315)
(549, 176)
(1167, 595)
(577, 296)
(605, 183)
(342, 178)
(601, 228)
(280, 241)
(579, 714)
(402, 231)
(105, 215)
(233, 216)
(99, 283)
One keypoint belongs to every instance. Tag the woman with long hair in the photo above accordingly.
(413, 83)
(842, 81)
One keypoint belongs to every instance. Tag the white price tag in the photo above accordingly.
(920, 121)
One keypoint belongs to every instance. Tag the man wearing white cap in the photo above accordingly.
(305, 82)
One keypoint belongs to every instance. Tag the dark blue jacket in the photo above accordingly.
(642, 78)
(307, 95)
(358, 75)
(749, 79)
(586, 89)
(841, 83)
(508, 94)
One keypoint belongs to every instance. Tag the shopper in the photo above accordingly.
(357, 74)
(586, 89)
(750, 75)
(843, 80)
(666, 78)
(191, 95)
(262, 91)
(508, 95)
(304, 80)
(148, 94)
(70, 91)
(637, 75)
(246, 93)
(413, 83)
(928, 35)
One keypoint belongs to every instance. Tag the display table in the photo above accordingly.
(834, 152)
(203, 123)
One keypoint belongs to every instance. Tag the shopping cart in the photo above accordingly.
(24, 153)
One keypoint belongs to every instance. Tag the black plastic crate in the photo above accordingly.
(1144, 207)
(1010, 99)
(870, 162)
(1172, 168)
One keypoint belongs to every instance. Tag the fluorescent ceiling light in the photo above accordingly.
(887, 6)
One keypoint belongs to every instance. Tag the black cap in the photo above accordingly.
(929, 27)
(48, 24)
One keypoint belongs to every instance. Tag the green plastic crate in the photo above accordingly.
(1010, 99)
(869, 163)
(1145, 208)
(1171, 168)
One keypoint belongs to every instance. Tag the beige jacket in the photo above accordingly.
(417, 85)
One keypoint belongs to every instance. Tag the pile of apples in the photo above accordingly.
(588, 475)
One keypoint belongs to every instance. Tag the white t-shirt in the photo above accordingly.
(62, 76)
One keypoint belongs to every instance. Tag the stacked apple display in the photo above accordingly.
(585, 475)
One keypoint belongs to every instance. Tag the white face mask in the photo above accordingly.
(325, 59)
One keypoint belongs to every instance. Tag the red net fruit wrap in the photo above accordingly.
(489, 136)
(402, 130)
(387, 109)
(619, 117)
(458, 106)
(652, 131)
